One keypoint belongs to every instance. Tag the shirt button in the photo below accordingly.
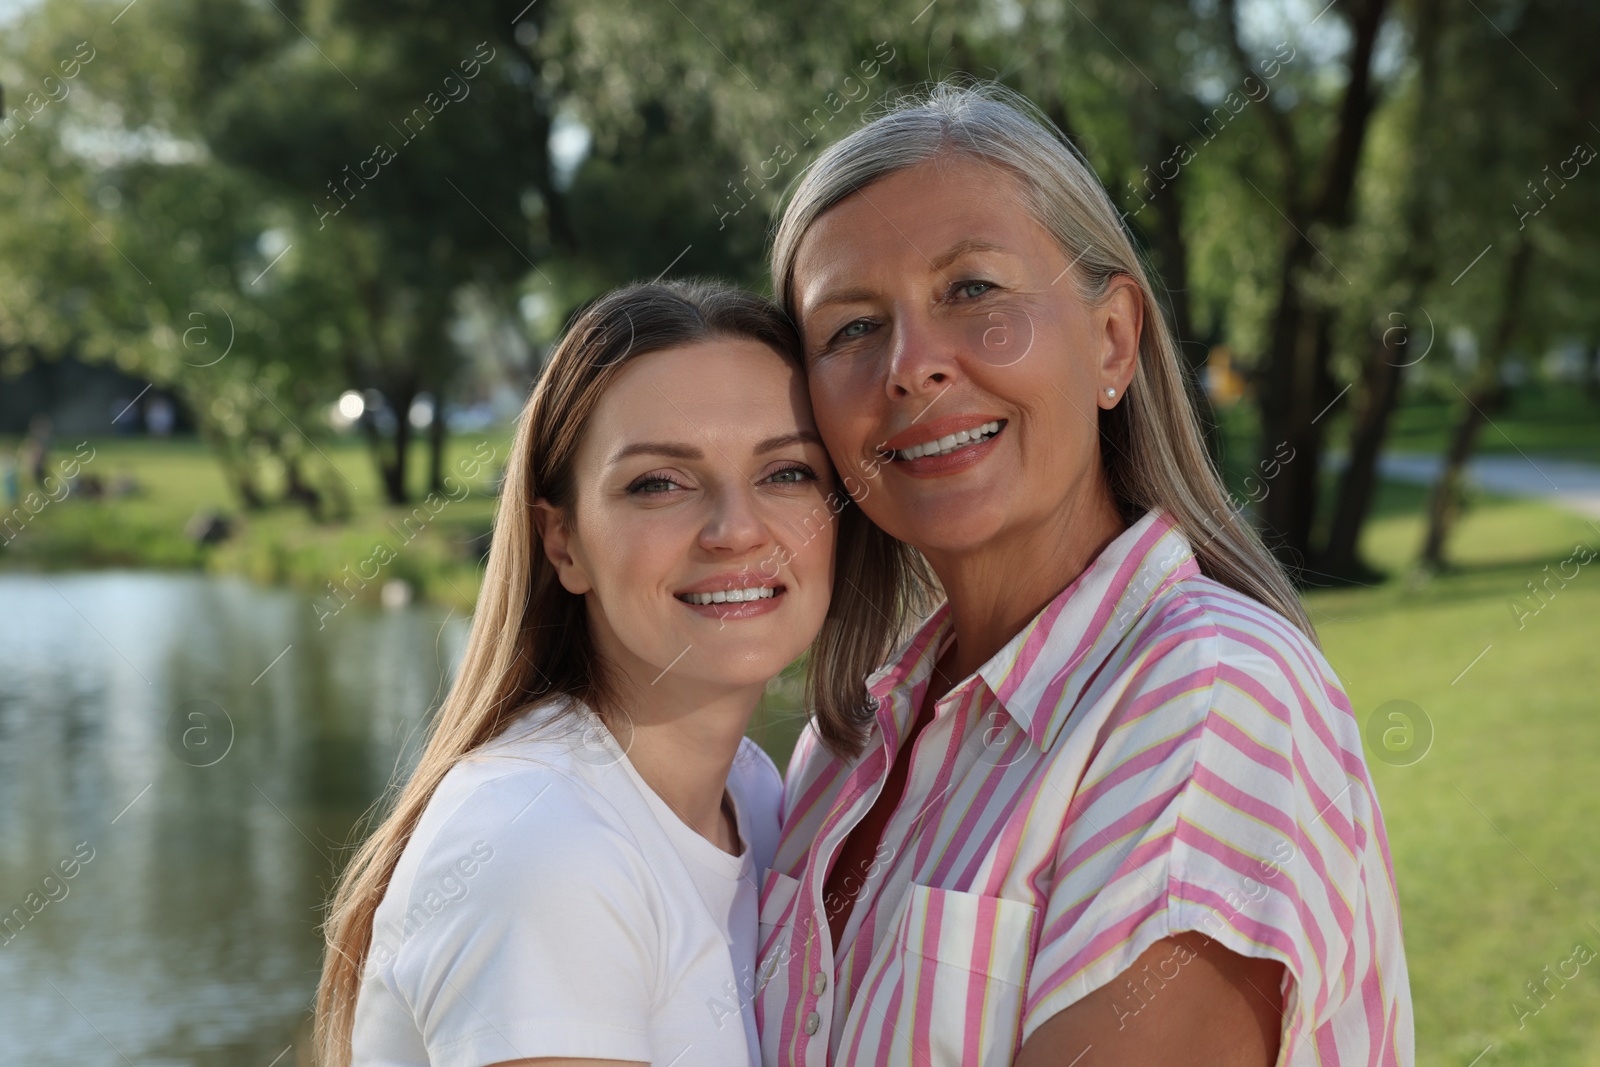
(819, 982)
(812, 1022)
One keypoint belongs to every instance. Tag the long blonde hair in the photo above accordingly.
(530, 638)
(1151, 444)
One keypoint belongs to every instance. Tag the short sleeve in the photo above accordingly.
(1238, 810)
(531, 930)
(1113, 862)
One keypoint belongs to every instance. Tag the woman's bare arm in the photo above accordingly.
(1219, 1008)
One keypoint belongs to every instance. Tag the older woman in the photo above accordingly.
(1108, 804)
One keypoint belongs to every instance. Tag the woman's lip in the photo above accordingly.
(959, 460)
(923, 432)
(745, 609)
(730, 580)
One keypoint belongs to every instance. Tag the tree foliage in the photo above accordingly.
(335, 182)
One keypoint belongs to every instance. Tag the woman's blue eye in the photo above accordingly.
(854, 329)
(652, 485)
(792, 475)
(966, 289)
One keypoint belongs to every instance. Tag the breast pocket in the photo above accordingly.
(949, 988)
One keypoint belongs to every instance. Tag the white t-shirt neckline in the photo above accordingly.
(690, 841)
(549, 903)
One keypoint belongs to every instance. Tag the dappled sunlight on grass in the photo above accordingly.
(1493, 831)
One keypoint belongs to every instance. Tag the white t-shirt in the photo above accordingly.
(549, 903)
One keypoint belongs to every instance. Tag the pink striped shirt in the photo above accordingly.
(1153, 753)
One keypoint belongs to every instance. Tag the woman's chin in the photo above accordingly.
(949, 529)
(756, 677)
(726, 665)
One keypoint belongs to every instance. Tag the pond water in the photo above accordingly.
(182, 759)
(182, 762)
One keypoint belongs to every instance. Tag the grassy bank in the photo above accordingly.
(432, 545)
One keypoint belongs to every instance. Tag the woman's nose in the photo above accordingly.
(734, 523)
(922, 359)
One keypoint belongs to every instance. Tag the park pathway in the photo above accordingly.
(1562, 482)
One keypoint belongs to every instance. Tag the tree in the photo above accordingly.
(413, 146)
(1409, 268)
(134, 246)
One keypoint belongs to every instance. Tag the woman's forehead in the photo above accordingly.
(923, 220)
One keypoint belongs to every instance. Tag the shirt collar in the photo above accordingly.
(906, 670)
(1038, 674)
(1041, 672)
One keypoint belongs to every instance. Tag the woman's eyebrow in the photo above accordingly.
(962, 248)
(937, 265)
(799, 437)
(841, 296)
(655, 448)
(689, 452)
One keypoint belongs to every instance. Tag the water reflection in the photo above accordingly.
(195, 752)
(185, 932)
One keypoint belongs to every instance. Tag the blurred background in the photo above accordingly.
(275, 276)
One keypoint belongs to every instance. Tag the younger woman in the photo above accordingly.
(571, 873)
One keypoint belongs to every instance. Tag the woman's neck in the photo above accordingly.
(995, 590)
(682, 739)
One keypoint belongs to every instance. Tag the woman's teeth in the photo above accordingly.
(731, 596)
(950, 442)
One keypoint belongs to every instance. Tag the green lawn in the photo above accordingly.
(1541, 418)
(1492, 831)
(1492, 834)
(435, 549)
(1547, 419)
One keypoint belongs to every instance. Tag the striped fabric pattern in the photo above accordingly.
(1153, 753)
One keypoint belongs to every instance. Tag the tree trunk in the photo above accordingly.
(1297, 395)
(1484, 399)
(1297, 386)
(394, 472)
(1444, 503)
(1172, 251)
(1380, 395)
(1377, 394)
(437, 435)
(301, 491)
(391, 455)
(558, 216)
(235, 471)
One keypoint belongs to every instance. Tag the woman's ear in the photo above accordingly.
(557, 540)
(1121, 318)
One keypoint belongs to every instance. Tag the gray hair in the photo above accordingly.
(1151, 444)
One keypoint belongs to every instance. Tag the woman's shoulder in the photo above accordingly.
(523, 884)
(530, 797)
(1277, 761)
(1258, 702)
(1251, 652)
(1240, 626)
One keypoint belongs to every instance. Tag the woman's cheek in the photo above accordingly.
(805, 525)
(843, 410)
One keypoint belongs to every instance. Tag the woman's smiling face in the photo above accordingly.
(701, 533)
(955, 371)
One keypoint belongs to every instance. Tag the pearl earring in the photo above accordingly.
(1111, 392)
